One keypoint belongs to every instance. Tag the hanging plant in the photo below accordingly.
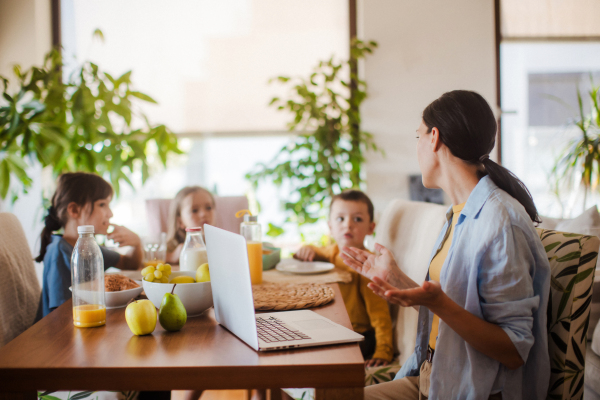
(88, 123)
(328, 159)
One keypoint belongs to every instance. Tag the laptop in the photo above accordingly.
(234, 305)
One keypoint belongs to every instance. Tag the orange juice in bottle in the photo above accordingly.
(255, 261)
(89, 315)
(251, 231)
(87, 280)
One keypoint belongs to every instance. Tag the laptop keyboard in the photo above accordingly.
(273, 330)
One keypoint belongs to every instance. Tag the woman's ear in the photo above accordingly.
(436, 142)
(74, 210)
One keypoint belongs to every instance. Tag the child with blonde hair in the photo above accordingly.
(193, 206)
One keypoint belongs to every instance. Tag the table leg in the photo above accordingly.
(31, 395)
(340, 394)
(276, 394)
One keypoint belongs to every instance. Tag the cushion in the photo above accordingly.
(19, 287)
(572, 260)
(386, 373)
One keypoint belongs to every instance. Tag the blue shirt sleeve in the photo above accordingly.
(505, 285)
(111, 258)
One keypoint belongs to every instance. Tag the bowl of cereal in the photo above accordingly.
(119, 289)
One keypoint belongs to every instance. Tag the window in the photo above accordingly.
(207, 64)
(539, 83)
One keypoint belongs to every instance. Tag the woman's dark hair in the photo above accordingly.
(80, 188)
(468, 128)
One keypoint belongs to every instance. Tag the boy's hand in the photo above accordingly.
(306, 253)
(376, 362)
(123, 236)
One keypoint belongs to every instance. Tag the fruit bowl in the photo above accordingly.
(196, 297)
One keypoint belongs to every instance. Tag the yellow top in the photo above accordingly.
(366, 310)
(435, 268)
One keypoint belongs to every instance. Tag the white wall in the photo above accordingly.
(426, 47)
(25, 36)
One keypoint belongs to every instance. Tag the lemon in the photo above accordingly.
(183, 279)
(203, 273)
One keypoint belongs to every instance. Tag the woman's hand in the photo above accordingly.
(124, 236)
(382, 266)
(376, 362)
(430, 294)
(306, 253)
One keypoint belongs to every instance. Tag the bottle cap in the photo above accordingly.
(250, 218)
(195, 229)
(85, 229)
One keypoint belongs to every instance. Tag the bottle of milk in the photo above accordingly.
(193, 253)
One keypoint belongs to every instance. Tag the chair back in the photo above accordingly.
(157, 211)
(409, 230)
(19, 287)
(572, 260)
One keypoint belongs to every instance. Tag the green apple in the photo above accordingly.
(203, 273)
(141, 317)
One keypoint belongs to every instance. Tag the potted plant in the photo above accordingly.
(327, 156)
(88, 122)
(579, 162)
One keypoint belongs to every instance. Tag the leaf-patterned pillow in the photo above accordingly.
(572, 260)
(386, 373)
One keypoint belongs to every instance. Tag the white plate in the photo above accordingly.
(303, 267)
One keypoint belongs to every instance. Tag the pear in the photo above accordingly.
(172, 315)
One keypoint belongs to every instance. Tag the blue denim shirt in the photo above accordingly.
(496, 269)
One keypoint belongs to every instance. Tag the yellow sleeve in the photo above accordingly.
(381, 321)
(327, 253)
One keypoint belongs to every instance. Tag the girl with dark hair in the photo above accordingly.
(80, 199)
(482, 308)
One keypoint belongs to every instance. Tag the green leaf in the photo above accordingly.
(551, 246)
(82, 395)
(142, 96)
(571, 256)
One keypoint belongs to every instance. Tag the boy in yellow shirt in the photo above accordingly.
(350, 220)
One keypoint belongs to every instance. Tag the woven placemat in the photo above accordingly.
(281, 296)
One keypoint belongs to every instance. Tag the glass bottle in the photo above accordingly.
(87, 280)
(193, 253)
(251, 231)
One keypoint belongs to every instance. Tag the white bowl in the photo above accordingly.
(196, 297)
(113, 299)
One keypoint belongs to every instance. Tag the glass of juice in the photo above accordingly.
(155, 249)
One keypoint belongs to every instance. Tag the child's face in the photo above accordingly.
(197, 209)
(99, 217)
(349, 223)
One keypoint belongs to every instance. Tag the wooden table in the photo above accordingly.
(54, 355)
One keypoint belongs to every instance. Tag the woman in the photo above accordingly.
(482, 320)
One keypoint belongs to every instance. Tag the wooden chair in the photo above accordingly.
(19, 287)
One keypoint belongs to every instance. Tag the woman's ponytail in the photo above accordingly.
(467, 126)
(512, 185)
